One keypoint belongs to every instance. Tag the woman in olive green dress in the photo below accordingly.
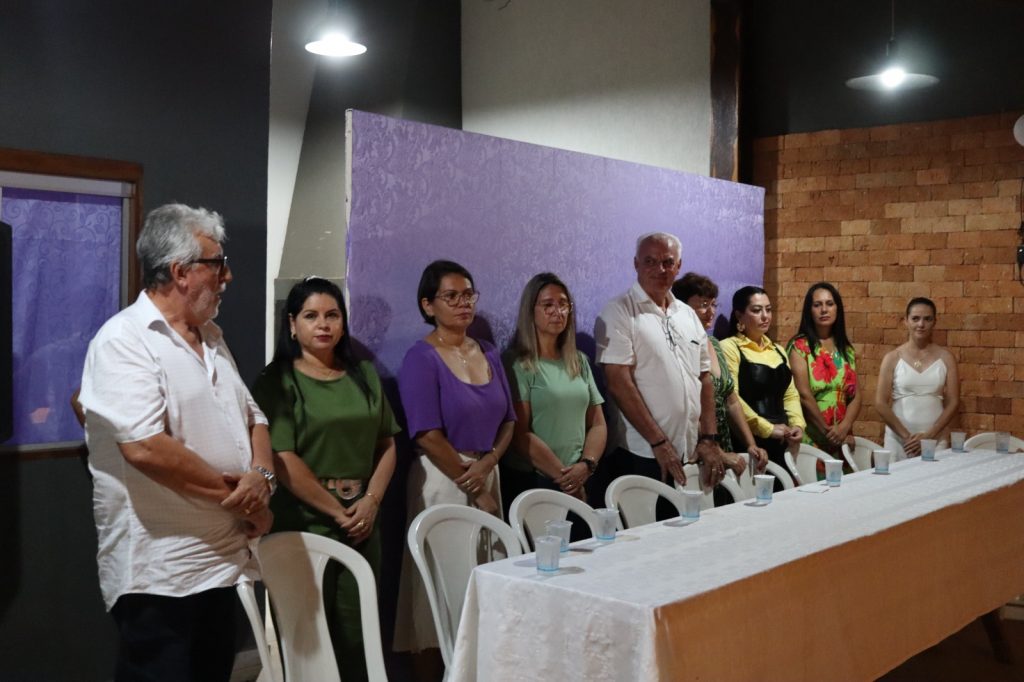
(332, 432)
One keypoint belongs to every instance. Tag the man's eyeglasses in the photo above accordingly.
(665, 264)
(220, 263)
(453, 298)
(550, 308)
(705, 306)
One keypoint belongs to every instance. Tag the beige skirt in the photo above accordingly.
(426, 486)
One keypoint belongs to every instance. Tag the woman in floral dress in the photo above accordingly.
(825, 370)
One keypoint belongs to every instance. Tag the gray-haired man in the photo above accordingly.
(180, 456)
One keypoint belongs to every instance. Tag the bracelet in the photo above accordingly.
(659, 443)
(709, 436)
(591, 464)
(269, 477)
(372, 497)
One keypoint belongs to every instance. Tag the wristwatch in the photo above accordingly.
(709, 436)
(591, 464)
(269, 475)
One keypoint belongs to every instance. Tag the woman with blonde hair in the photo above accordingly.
(560, 431)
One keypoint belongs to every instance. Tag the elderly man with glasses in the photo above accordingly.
(654, 352)
(180, 457)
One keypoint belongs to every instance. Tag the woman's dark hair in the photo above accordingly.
(288, 348)
(740, 301)
(807, 329)
(921, 300)
(430, 281)
(691, 284)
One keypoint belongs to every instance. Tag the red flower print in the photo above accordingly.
(801, 345)
(829, 415)
(850, 384)
(823, 369)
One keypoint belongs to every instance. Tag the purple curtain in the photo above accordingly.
(66, 282)
(507, 210)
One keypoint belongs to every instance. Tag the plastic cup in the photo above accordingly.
(560, 529)
(1002, 442)
(833, 472)
(928, 450)
(691, 504)
(548, 549)
(764, 484)
(882, 459)
(607, 520)
(957, 438)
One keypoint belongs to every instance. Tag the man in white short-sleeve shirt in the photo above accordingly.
(180, 457)
(655, 356)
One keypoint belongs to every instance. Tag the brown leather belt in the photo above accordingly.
(345, 488)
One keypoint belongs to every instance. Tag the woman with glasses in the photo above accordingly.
(701, 294)
(459, 415)
(332, 431)
(918, 390)
(560, 431)
(764, 381)
(825, 371)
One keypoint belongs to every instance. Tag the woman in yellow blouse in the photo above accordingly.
(770, 400)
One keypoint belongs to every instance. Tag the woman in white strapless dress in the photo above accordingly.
(918, 390)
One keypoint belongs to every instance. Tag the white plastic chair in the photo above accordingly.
(293, 570)
(745, 483)
(636, 498)
(987, 441)
(445, 543)
(692, 472)
(533, 508)
(269, 660)
(804, 467)
(859, 457)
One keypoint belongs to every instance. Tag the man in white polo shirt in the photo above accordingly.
(654, 351)
(180, 457)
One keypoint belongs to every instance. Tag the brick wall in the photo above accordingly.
(892, 212)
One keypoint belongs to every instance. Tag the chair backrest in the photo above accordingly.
(781, 474)
(987, 441)
(446, 542)
(804, 466)
(859, 456)
(692, 472)
(745, 483)
(269, 660)
(293, 570)
(636, 498)
(533, 508)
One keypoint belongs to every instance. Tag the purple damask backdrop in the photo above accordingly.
(507, 210)
(66, 282)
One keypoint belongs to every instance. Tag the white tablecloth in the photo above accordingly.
(596, 618)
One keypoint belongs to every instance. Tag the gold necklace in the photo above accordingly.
(321, 372)
(456, 349)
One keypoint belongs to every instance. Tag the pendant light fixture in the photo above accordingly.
(333, 36)
(893, 75)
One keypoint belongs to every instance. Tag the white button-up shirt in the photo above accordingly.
(669, 350)
(141, 379)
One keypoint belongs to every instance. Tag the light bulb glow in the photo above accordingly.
(893, 77)
(335, 45)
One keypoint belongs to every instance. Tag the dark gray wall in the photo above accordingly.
(799, 53)
(182, 88)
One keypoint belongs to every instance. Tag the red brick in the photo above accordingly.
(946, 257)
(965, 206)
(980, 189)
(933, 176)
(998, 221)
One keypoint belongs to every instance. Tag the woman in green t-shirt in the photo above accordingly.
(560, 430)
(332, 431)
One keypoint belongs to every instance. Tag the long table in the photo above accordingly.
(843, 584)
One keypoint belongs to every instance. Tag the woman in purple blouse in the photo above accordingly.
(459, 414)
